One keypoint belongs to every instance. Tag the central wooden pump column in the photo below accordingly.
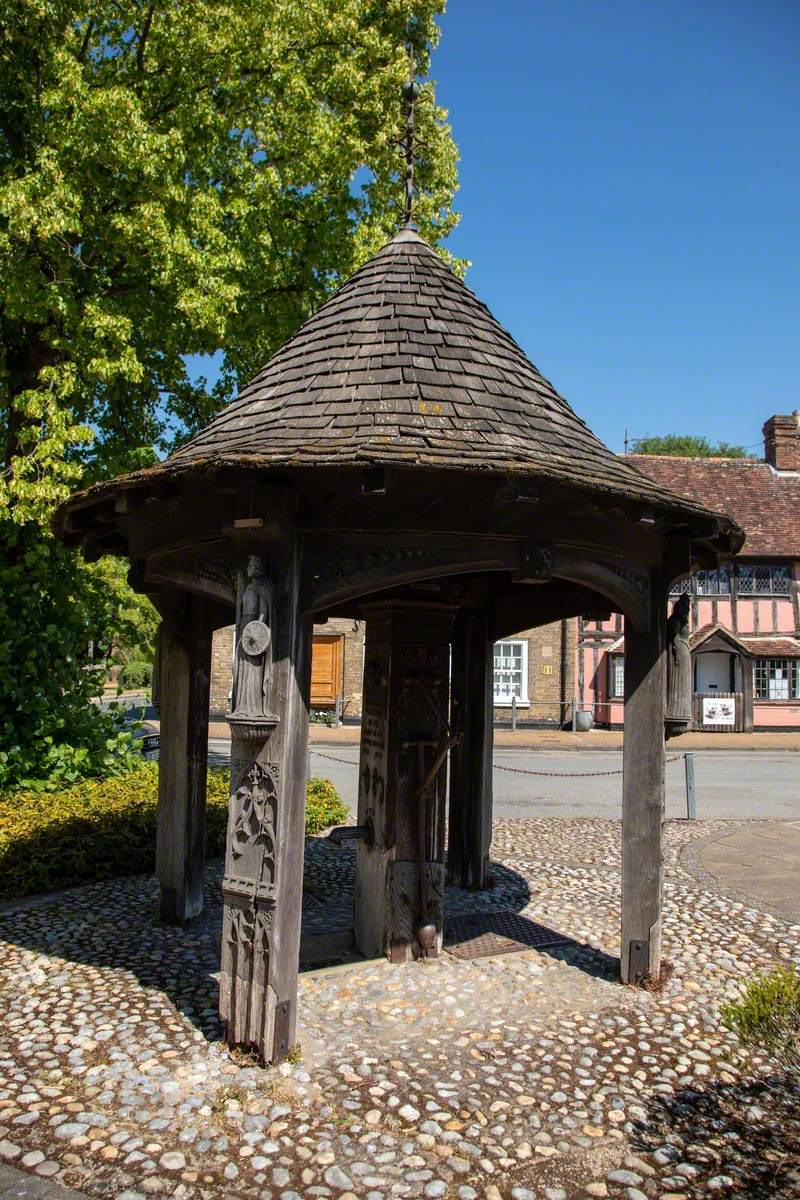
(469, 832)
(263, 883)
(401, 787)
(643, 790)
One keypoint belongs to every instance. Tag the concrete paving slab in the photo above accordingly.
(761, 862)
(17, 1185)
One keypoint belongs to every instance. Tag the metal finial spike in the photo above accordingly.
(411, 93)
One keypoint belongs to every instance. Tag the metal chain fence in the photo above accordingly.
(348, 762)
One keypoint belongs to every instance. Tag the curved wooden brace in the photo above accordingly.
(627, 585)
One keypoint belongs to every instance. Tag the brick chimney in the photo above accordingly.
(782, 442)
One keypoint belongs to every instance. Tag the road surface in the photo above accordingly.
(740, 784)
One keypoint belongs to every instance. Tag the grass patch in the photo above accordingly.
(101, 828)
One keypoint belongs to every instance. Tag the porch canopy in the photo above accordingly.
(399, 461)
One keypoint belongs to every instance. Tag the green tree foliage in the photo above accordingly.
(687, 445)
(52, 608)
(175, 179)
(178, 178)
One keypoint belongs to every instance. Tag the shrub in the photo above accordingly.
(323, 805)
(135, 674)
(767, 1017)
(100, 828)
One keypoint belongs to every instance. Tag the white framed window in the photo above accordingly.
(776, 679)
(616, 676)
(511, 672)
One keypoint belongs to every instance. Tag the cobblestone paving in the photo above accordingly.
(532, 1076)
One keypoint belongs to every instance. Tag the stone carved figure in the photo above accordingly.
(253, 660)
(678, 712)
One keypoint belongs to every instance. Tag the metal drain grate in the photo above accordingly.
(480, 935)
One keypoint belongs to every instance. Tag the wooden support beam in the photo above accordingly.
(401, 788)
(184, 666)
(643, 790)
(470, 800)
(262, 887)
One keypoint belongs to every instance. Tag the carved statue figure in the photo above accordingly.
(678, 712)
(253, 659)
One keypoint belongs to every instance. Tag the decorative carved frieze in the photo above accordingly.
(640, 583)
(328, 567)
(211, 577)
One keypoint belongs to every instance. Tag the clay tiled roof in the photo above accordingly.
(772, 647)
(758, 647)
(404, 366)
(766, 503)
(705, 632)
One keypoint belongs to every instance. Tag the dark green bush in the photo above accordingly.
(323, 805)
(100, 828)
(136, 674)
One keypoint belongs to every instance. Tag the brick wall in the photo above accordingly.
(544, 674)
(221, 671)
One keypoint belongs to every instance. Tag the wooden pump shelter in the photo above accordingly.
(401, 462)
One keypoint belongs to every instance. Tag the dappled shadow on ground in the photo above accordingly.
(115, 925)
(747, 1131)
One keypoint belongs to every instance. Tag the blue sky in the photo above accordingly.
(630, 199)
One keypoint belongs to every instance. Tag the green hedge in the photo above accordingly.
(135, 674)
(101, 828)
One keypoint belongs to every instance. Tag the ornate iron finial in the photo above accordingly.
(411, 93)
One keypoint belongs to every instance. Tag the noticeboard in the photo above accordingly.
(719, 710)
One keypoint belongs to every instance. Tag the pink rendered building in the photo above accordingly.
(745, 617)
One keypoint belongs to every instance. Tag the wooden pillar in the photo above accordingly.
(404, 743)
(471, 711)
(263, 883)
(643, 790)
(184, 666)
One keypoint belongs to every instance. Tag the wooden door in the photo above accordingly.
(326, 670)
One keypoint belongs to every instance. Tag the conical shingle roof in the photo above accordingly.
(403, 365)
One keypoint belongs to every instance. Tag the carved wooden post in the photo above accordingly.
(470, 808)
(678, 715)
(404, 743)
(643, 791)
(184, 665)
(263, 883)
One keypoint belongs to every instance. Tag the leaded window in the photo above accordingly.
(776, 679)
(616, 676)
(511, 672)
(762, 579)
(704, 583)
(714, 583)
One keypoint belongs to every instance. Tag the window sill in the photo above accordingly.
(523, 702)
